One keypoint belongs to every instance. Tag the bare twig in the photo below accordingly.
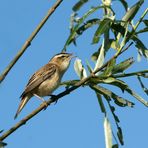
(29, 40)
(55, 98)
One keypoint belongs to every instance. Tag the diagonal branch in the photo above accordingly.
(55, 98)
(29, 40)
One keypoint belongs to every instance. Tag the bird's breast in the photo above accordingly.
(48, 86)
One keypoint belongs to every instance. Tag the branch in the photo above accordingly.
(55, 98)
(29, 40)
(138, 73)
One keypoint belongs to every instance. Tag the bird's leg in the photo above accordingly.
(42, 99)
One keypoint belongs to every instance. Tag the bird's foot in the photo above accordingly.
(53, 98)
(45, 105)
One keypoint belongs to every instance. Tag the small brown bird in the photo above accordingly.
(46, 79)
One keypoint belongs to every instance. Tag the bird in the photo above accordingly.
(45, 80)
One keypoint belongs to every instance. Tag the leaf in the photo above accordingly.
(100, 101)
(100, 59)
(87, 25)
(132, 11)
(108, 133)
(79, 4)
(109, 68)
(141, 47)
(2, 144)
(89, 67)
(79, 68)
(69, 83)
(126, 88)
(142, 85)
(73, 33)
(120, 136)
(115, 146)
(118, 100)
(146, 22)
(104, 25)
(142, 30)
(124, 3)
(123, 65)
(114, 44)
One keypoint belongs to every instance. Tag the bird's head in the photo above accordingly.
(62, 60)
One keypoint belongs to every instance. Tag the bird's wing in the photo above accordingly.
(38, 77)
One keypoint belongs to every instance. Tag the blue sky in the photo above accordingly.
(76, 120)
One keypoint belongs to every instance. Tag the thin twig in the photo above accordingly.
(55, 98)
(138, 73)
(29, 40)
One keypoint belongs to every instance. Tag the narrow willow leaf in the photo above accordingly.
(120, 135)
(124, 3)
(109, 68)
(74, 34)
(69, 83)
(79, 4)
(2, 144)
(116, 82)
(112, 108)
(89, 67)
(141, 47)
(87, 25)
(142, 30)
(132, 11)
(115, 146)
(142, 85)
(123, 65)
(118, 100)
(114, 44)
(146, 22)
(79, 68)
(126, 88)
(104, 25)
(118, 28)
(108, 133)
(100, 59)
(100, 101)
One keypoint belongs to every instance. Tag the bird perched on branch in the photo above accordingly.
(46, 79)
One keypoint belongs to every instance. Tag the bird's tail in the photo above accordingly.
(23, 102)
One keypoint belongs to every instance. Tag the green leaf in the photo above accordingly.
(104, 25)
(79, 69)
(114, 44)
(100, 101)
(115, 146)
(87, 25)
(69, 83)
(73, 33)
(141, 47)
(89, 67)
(101, 56)
(118, 100)
(120, 136)
(142, 30)
(79, 4)
(109, 68)
(126, 88)
(123, 65)
(132, 11)
(2, 144)
(142, 85)
(108, 133)
(146, 22)
(124, 3)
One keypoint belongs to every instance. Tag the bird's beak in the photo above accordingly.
(72, 56)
